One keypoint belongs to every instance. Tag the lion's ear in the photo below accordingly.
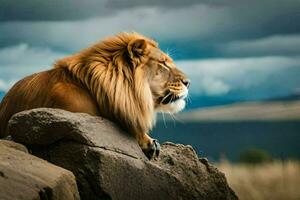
(137, 48)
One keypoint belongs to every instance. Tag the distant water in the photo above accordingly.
(215, 139)
(229, 139)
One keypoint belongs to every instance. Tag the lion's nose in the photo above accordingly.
(186, 82)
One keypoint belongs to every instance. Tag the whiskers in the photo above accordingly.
(172, 118)
(171, 106)
(189, 99)
(163, 116)
(175, 118)
(171, 51)
(165, 98)
(170, 97)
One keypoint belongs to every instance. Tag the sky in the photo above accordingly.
(236, 49)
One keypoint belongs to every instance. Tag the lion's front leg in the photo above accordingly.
(150, 146)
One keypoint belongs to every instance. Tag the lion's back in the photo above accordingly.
(30, 92)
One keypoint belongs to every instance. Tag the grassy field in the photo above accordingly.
(265, 111)
(277, 180)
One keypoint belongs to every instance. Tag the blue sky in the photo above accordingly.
(232, 48)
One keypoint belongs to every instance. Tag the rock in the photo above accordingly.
(46, 126)
(108, 163)
(183, 163)
(23, 176)
(13, 145)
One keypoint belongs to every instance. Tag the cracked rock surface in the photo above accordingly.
(23, 176)
(109, 164)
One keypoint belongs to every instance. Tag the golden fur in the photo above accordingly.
(123, 78)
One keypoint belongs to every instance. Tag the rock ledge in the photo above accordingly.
(108, 163)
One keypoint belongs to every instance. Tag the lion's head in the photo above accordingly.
(168, 85)
(131, 79)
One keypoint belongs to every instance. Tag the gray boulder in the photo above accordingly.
(108, 163)
(23, 176)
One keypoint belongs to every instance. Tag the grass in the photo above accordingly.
(277, 180)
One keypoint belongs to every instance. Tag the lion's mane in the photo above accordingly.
(112, 72)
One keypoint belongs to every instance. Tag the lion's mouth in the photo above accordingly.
(171, 97)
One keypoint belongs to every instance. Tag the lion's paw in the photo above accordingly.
(153, 150)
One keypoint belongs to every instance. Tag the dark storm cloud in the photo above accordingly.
(53, 10)
(260, 38)
(32, 10)
(209, 22)
(207, 28)
(206, 25)
(274, 45)
(158, 3)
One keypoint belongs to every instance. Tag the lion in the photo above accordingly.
(125, 78)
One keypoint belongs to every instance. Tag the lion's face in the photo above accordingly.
(169, 85)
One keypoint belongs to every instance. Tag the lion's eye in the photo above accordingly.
(164, 65)
(160, 70)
